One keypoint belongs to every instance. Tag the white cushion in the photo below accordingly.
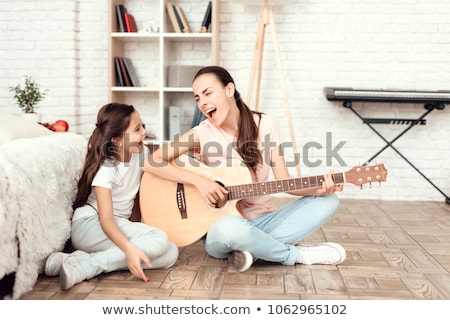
(12, 127)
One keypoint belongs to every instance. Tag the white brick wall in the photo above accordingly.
(390, 44)
(38, 39)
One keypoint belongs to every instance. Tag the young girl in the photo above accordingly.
(232, 130)
(102, 232)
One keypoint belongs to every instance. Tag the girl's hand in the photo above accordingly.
(134, 258)
(328, 186)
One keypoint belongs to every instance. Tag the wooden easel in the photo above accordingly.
(265, 19)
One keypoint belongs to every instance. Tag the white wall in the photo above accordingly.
(369, 44)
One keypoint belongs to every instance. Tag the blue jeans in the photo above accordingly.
(270, 236)
(105, 256)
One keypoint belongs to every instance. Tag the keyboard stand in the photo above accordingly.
(429, 107)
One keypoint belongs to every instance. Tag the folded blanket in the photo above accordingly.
(38, 178)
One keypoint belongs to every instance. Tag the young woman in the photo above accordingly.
(102, 232)
(263, 231)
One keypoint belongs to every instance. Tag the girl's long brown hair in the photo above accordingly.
(247, 136)
(112, 121)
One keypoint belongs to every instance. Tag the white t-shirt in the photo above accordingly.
(123, 178)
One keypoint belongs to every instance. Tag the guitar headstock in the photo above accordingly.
(360, 175)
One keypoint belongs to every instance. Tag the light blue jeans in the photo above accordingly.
(270, 236)
(105, 256)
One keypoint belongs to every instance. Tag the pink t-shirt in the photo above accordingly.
(217, 145)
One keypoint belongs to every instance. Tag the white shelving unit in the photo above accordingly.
(152, 50)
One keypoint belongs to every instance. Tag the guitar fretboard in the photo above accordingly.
(276, 186)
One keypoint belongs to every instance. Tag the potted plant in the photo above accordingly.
(27, 97)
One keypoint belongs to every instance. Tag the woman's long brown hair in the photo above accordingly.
(247, 136)
(112, 121)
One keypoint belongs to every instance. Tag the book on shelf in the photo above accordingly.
(125, 20)
(180, 13)
(206, 18)
(131, 72)
(134, 24)
(178, 18)
(120, 9)
(130, 22)
(125, 76)
(172, 17)
(119, 77)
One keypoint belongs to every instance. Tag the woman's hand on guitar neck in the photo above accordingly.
(328, 186)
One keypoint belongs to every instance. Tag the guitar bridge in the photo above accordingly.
(181, 201)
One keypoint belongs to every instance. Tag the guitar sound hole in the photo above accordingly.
(219, 204)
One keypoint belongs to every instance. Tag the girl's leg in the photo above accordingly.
(87, 235)
(270, 236)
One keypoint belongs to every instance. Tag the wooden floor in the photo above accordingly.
(395, 250)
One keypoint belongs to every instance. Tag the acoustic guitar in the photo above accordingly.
(180, 211)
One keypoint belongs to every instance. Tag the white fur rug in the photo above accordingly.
(38, 180)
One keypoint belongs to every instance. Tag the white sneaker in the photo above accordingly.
(56, 259)
(325, 253)
(241, 260)
(71, 273)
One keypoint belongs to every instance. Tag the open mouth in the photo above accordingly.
(211, 112)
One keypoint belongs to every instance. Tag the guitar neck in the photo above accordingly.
(270, 187)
